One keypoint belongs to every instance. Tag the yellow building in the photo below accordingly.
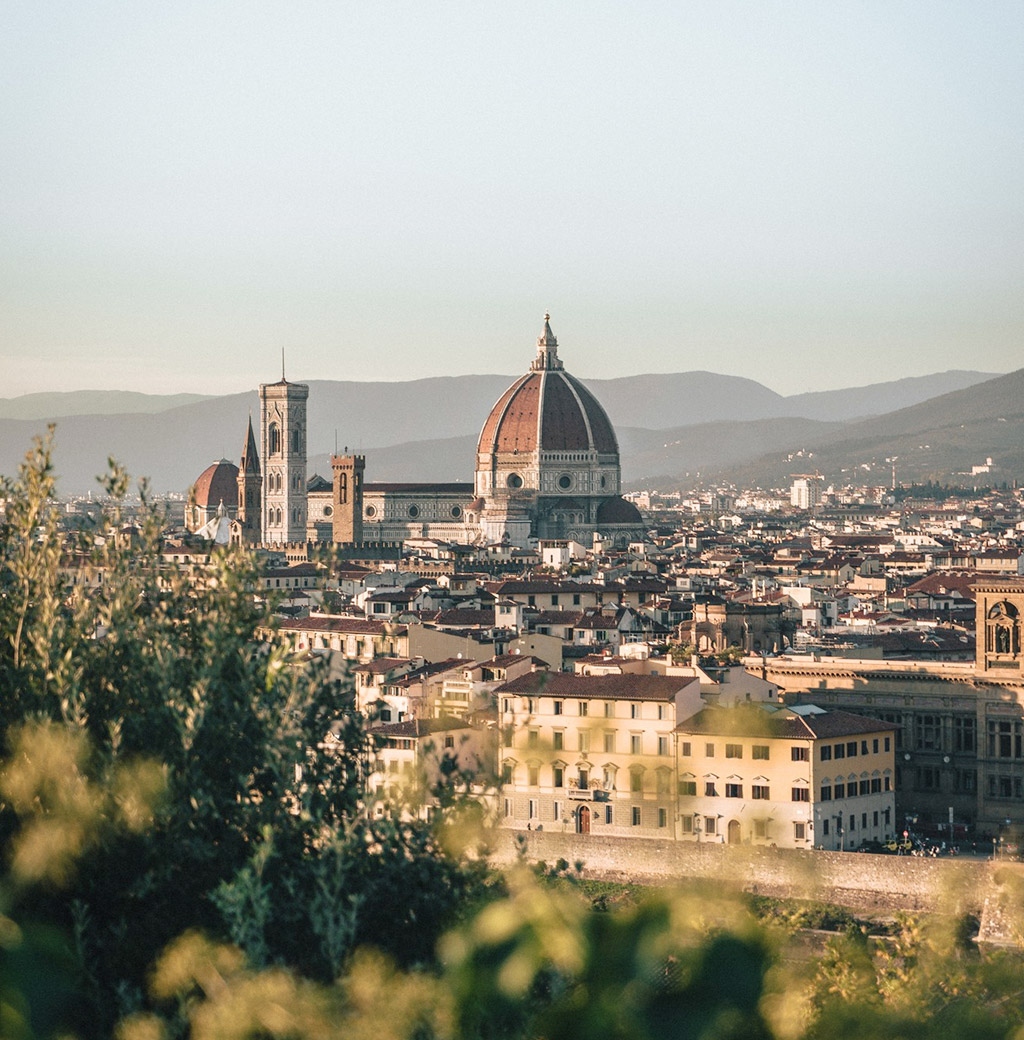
(764, 775)
(591, 754)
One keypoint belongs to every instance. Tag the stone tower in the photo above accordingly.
(348, 498)
(250, 482)
(283, 450)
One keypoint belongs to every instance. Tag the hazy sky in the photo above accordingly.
(811, 194)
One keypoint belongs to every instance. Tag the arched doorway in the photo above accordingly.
(583, 820)
(734, 832)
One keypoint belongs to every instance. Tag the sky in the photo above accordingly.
(813, 195)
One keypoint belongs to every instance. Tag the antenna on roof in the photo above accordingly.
(283, 380)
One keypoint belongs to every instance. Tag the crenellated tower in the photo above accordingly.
(348, 498)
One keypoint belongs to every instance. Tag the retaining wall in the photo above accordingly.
(865, 882)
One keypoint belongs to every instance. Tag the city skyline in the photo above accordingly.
(812, 198)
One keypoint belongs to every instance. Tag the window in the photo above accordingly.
(801, 794)
(634, 711)
(662, 818)
(662, 745)
(799, 753)
(685, 749)
(635, 744)
(636, 815)
(556, 808)
(863, 747)
(874, 746)
(965, 733)
(799, 831)
(886, 783)
(609, 779)
(839, 790)
(760, 828)
(532, 738)
(851, 749)
(533, 775)
(826, 753)
(609, 741)
(734, 790)
(663, 779)
(876, 785)
(584, 779)
(888, 742)
(863, 821)
(636, 780)
(607, 814)
(556, 707)
(760, 793)
(688, 787)
(686, 824)
(710, 825)
(826, 793)
(865, 787)
(558, 740)
(965, 780)
(927, 732)
(838, 751)
(508, 806)
(533, 809)
(709, 789)
(733, 750)
(761, 752)
(1004, 738)
(558, 776)
(824, 828)
(584, 739)
(609, 709)
(709, 750)
(506, 772)
(449, 741)
(584, 708)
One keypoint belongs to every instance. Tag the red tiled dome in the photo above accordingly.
(547, 410)
(217, 483)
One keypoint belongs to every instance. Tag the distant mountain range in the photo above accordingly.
(670, 428)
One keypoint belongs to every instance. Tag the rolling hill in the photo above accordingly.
(670, 427)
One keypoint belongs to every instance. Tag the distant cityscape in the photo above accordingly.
(584, 645)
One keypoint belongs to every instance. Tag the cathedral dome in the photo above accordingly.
(217, 483)
(618, 511)
(547, 410)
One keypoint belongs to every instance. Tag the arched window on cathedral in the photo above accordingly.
(342, 488)
(274, 437)
(1002, 629)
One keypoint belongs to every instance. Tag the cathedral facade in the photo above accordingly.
(546, 467)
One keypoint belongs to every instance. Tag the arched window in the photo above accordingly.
(295, 440)
(1002, 629)
(274, 437)
(342, 488)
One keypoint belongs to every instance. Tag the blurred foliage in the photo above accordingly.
(182, 774)
(185, 857)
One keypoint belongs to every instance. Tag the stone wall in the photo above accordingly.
(864, 882)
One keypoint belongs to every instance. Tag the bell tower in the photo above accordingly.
(348, 498)
(250, 482)
(283, 444)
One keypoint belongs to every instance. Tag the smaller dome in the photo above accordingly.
(618, 511)
(217, 483)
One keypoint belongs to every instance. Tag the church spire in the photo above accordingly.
(547, 347)
(250, 456)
